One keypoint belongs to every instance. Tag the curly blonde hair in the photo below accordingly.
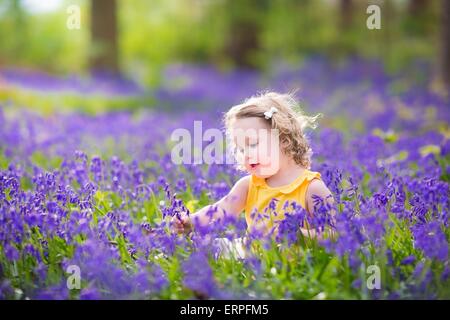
(289, 120)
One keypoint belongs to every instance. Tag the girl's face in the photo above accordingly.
(257, 146)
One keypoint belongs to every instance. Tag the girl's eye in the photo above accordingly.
(242, 150)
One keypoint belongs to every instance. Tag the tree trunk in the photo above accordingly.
(417, 7)
(21, 25)
(445, 43)
(243, 43)
(346, 9)
(245, 18)
(104, 36)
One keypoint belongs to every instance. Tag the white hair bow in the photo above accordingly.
(269, 114)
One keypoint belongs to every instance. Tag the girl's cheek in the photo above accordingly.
(253, 154)
(240, 158)
(265, 156)
(264, 159)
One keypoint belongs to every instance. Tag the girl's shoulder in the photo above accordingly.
(317, 186)
(243, 183)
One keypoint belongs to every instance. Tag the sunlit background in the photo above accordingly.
(148, 36)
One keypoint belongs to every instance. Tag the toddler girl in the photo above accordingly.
(267, 134)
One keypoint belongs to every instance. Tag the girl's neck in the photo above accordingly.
(289, 171)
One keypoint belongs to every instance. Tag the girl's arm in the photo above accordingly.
(316, 187)
(231, 204)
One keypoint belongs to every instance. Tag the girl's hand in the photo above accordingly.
(182, 224)
(232, 203)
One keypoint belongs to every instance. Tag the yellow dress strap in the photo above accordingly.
(306, 176)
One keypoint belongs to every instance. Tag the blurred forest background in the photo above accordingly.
(139, 38)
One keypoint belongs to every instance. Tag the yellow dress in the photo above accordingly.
(260, 195)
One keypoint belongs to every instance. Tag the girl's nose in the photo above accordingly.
(249, 158)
